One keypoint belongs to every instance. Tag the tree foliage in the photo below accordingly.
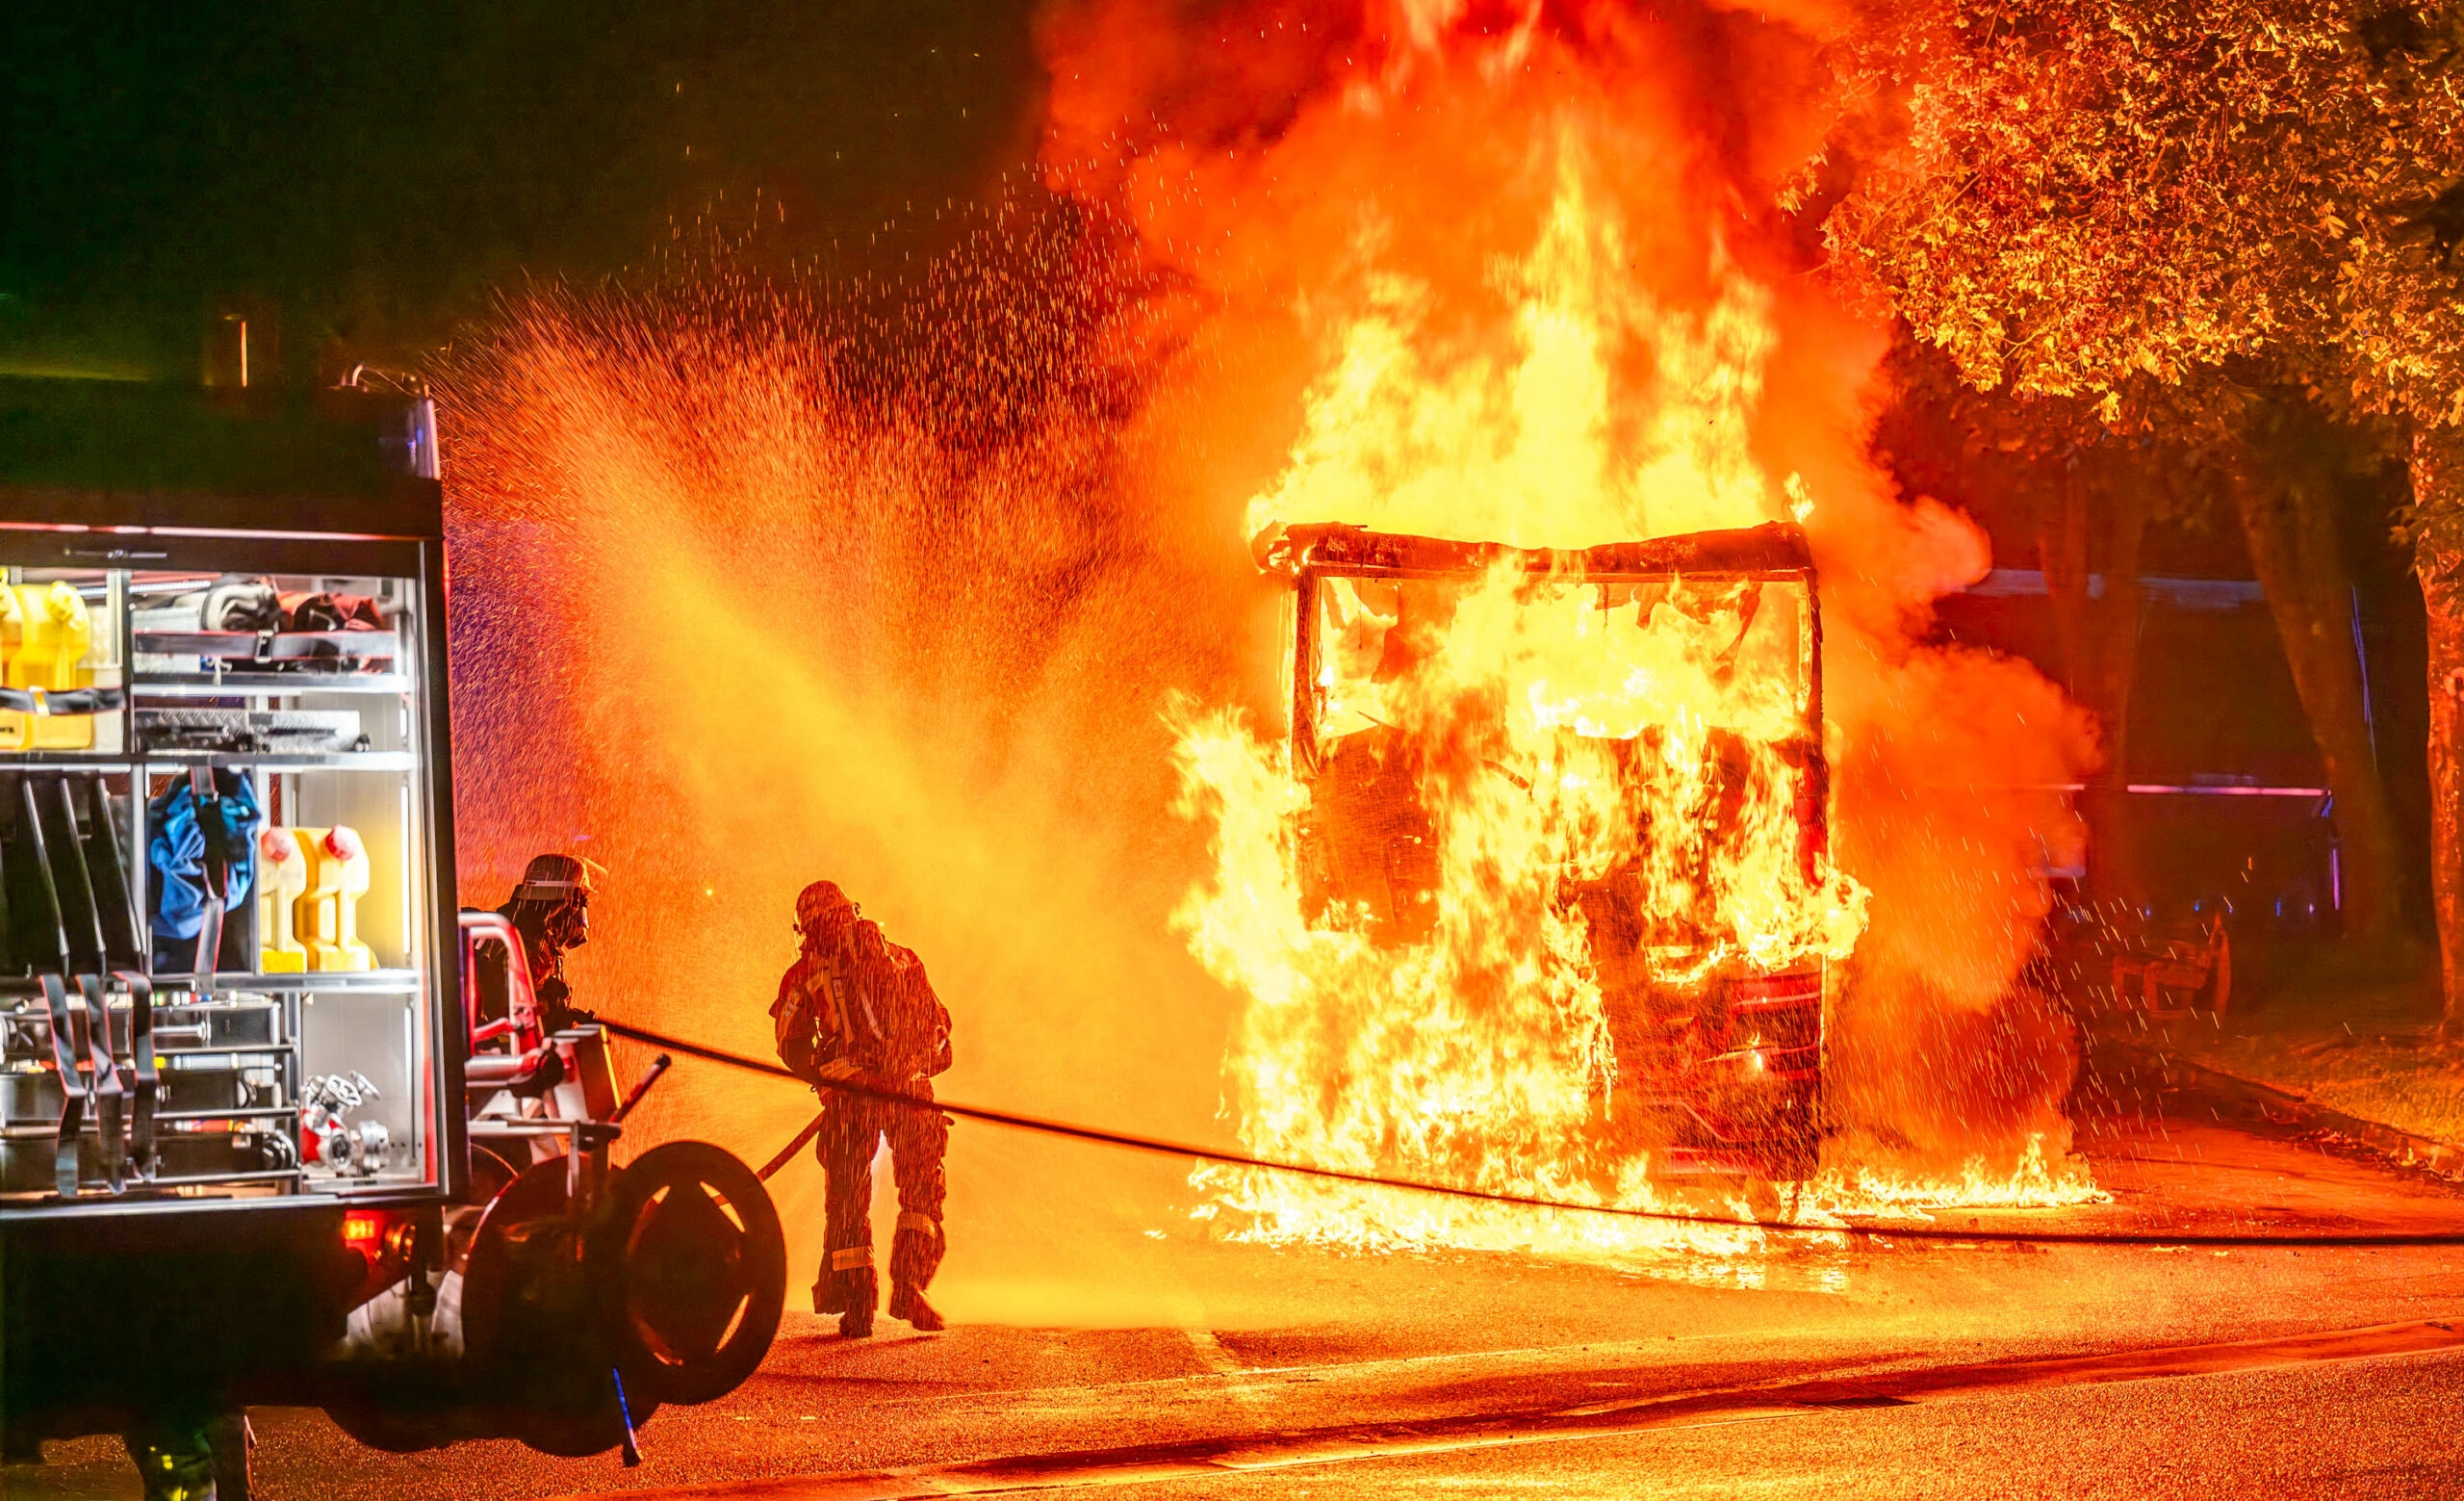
(2077, 197)
(2187, 214)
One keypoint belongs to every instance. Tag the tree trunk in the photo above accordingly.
(2113, 859)
(2062, 550)
(2438, 562)
(2099, 644)
(2290, 527)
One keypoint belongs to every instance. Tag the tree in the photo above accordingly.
(2282, 469)
(2046, 465)
(2234, 207)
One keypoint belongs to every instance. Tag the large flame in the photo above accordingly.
(1503, 259)
(1529, 434)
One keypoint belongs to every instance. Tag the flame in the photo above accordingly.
(1519, 439)
(1545, 725)
(2037, 1180)
(1527, 312)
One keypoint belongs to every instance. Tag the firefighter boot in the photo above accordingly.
(915, 1254)
(847, 1288)
(862, 1293)
(906, 1302)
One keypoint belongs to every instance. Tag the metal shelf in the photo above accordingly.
(366, 982)
(80, 760)
(201, 1179)
(92, 1129)
(286, 761)
(165, 986)
(230, 989)
(265, 761)
(264, 685)
(390, 1180)
(239, 1113)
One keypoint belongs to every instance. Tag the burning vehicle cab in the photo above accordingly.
(1603, 765)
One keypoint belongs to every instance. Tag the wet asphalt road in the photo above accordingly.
(1891, 1369)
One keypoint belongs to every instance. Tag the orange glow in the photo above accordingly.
(728, 618)
(739, 631)
(1516, 287)
(361, 1229)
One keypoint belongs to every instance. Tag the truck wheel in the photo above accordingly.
(490, 1176)
(232, 1445)
(2219, 975)
(488, 1276)
(692, 1272)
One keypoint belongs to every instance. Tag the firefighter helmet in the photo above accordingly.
(553, 878)
(822, 904)
(552, 902)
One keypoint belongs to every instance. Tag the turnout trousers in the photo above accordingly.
(919, 1135)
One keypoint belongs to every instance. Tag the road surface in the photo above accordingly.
(1891, 1368)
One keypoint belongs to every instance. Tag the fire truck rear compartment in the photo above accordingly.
(298, 1059)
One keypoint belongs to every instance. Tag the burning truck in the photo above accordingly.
(1586, 793)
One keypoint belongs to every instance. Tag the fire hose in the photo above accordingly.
(1133, 1142)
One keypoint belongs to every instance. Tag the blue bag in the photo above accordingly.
(178, 844)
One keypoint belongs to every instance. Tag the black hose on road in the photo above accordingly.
(1151, 1144)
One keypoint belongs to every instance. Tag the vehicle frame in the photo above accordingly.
(1724, 1077)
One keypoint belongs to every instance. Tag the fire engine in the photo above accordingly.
(261, 1143)
(1717, 1037)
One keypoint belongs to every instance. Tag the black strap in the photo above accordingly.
(217, 876)
(66, 1045)
(65, 702)
(41, 929)
(80, 911)
(105, 1085)
(107, 862)
(146, 1075)
(48, 941)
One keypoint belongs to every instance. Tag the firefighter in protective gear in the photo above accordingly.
(811, 1006)
(551, 910)
(855, 1007)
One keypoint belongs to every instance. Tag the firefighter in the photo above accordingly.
(858, 1008)
(550, 909)
(809, 1010)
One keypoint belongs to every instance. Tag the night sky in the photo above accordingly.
(368, 173)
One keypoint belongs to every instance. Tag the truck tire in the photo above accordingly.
(232, 1444)
(691, 1272)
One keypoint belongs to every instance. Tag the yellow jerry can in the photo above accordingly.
(44, 634)
(326, 918)
(282, 878)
